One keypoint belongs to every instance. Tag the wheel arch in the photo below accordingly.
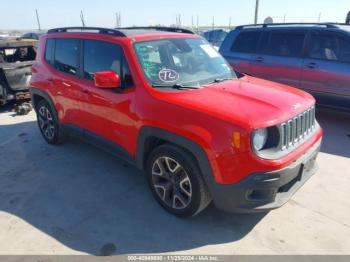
(151, 137)
(38, 95)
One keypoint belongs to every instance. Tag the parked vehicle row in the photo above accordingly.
(312, 57)
(169, 103)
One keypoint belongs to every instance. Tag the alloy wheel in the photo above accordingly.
(46, 122)
(171, 182)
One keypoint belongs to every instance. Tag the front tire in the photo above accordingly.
(176, 181)
(48, 123)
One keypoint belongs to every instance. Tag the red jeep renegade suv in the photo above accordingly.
(166, 101)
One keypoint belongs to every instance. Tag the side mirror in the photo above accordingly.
(107, 79)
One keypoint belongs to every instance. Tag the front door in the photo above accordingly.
(107, 113)
(279, 57)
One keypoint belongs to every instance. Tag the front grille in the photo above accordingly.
(296, 129)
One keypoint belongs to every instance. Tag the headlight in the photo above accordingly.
(259, 138)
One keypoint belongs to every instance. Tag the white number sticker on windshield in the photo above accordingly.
(210, 50)
(168, 75)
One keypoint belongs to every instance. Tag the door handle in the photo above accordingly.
(259, 59)
(85, 91)
(312, 65)
(50, 79)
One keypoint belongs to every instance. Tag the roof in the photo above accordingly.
(121, 32)
(283, 25)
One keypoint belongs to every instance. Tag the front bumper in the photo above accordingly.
(261, 192)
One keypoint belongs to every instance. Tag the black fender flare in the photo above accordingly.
(194, 148)
(35, 91)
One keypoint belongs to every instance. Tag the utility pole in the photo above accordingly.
(118, 20)
(256, 12)
(82, 18)
(178, 20)
(284, 18)
(192, 24)
(319, 17)
(197, 23)
(37, 19)
(229, 22)
(213, 23)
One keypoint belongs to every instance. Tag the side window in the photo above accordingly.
(102, 56)
(324, 46)
(329, 47)
(246, 42)
(285, 44)
(264, 42)
(344, 50)
(50, 43)
(66, 56)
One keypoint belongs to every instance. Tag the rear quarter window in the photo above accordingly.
(246, 42)
(50, 43)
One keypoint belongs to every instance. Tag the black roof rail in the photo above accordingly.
(338, 24)
(98, 30)
(160, 28)
(329, 25)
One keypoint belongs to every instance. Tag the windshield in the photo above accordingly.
(182, 61)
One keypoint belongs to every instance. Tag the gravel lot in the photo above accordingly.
(75, 199)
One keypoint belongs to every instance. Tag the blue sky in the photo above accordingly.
(20, 14)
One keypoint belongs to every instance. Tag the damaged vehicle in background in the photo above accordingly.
(16, 59)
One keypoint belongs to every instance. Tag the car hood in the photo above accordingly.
(248, 101)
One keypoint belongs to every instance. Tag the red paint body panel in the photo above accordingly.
(207, 116)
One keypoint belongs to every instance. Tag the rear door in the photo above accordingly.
(326, 67)
(279, 56)
(242, 50)
(64, 79)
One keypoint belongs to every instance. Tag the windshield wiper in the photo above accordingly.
(219, 80)
(178, 86)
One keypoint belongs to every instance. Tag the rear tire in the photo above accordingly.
(48, 123)
(176, 181)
